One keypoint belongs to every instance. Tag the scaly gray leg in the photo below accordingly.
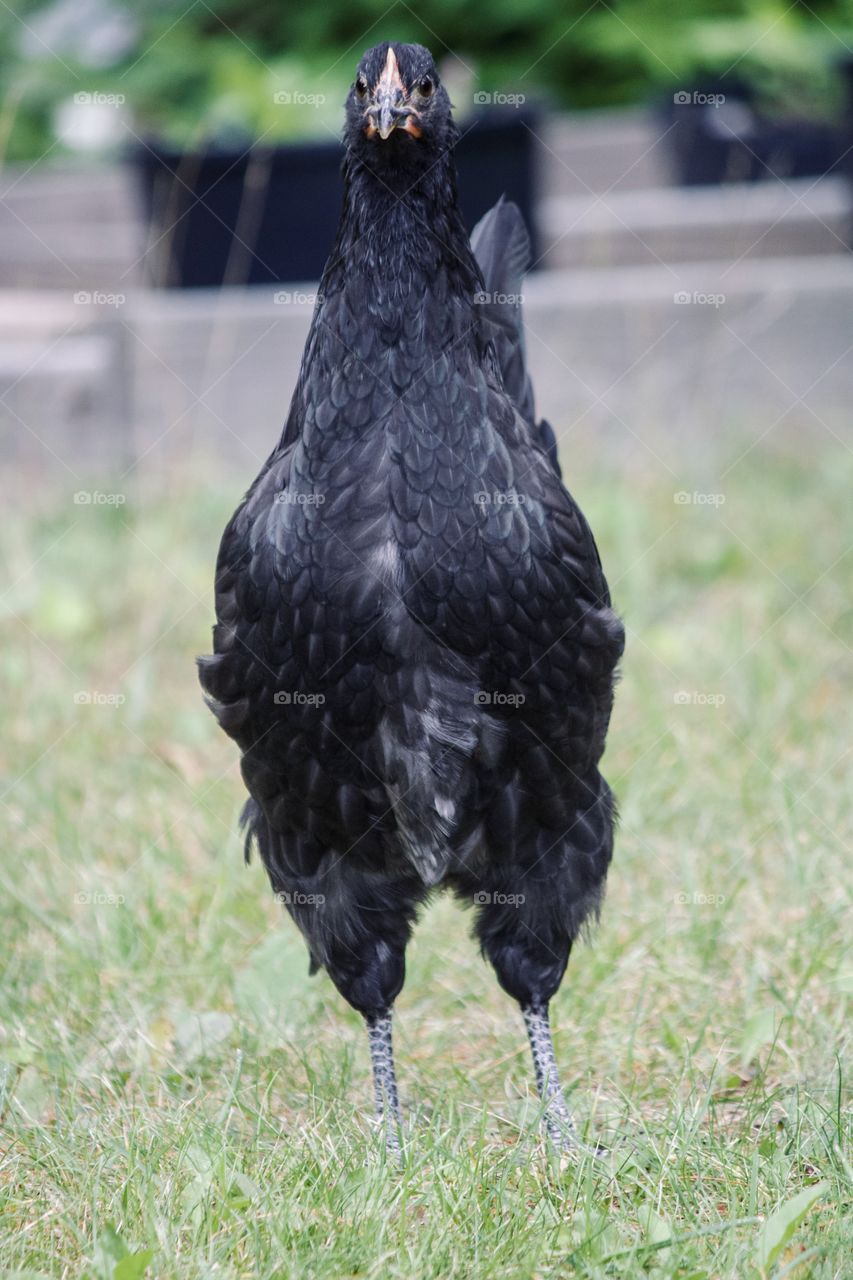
(385, 1079)
(558, 1118)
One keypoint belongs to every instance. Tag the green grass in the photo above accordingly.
(177, 1092)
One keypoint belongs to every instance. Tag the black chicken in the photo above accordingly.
(415, 648)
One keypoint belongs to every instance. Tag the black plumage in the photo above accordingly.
(415, 646)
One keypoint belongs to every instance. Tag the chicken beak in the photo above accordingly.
(388, 107)
(385, 114)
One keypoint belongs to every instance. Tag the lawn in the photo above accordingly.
(179, 1099)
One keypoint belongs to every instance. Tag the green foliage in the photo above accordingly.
(213, 70)
(782, 1224)
(114, 1261)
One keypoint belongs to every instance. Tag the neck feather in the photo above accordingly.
(399, 235)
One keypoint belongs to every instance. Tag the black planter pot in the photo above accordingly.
(718, 135)
(269, 215)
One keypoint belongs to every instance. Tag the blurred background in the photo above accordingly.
(683, 169)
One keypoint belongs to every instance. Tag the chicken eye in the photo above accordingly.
(425, 87)
(361, 86)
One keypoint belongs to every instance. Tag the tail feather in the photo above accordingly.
(501, 246)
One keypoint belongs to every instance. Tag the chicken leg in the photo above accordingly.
(385, 1079)
(558, 1118)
